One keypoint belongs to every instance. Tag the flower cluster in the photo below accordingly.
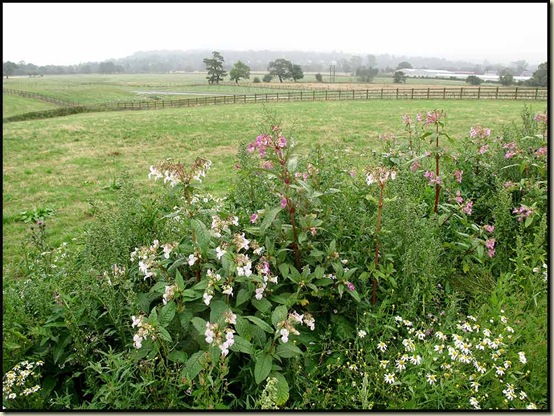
(144, 330)
(433, 179)
(433, 117)
(214, 335)
(473, 354)
(479, 132)
(117, 272)
(264, 141)
(175, 173)
(17, 377)
(220, 225)
(380, 175)
(286, 327)
(512, 149)
(312, 171)
(263, 269)
(169, 293)
(522, 212)
(541, 118)
(147, 258)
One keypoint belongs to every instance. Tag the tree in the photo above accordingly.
(267, 78)
(520, 66)
(506, 78)
(473, 80)
(214, 65)
(319, 77)
(540, 76)
(9, 68)
(296, 72)
(107, 67)
(399, 77)
(280, 68)
(366, 74)
(404, 65)
(239, 70)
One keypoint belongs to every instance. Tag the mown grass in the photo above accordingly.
(66, 163)
(13, 105)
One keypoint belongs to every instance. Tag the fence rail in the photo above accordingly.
(40, 97)
(462, 93)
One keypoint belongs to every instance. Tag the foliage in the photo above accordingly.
(414, 278)
(506, 77)
(319, 77)
(281, 68)
(239, 70)
(399, 77)
(473, 80)
(404, 65)
(267, 78)
(296, 72)
(366, 74)
(540, 76)
(214, 66)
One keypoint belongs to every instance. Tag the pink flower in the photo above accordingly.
(490, 246)
(458, 174)
(237, 166)
(467, 207)
(419, 117)
(484, 149)
(282, 142)
(523, 212)
(541, 118)
(459, 198)
(541, 151)
(283, 202)
(415, 166)
(432, 178)
(353, 172)
(479, 132)
(350, 286)
(406, 119)
(254, 218)
(489, 228)
(313, 231)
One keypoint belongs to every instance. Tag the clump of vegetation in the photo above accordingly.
(313, 284)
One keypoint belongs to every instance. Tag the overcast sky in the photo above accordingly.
(65, 34)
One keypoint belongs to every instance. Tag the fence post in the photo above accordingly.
(428, 91)
(289, 95)
(353, 91)
(412, 93)
(461, 92)
(339, 94)
(478, 93)
(326, 95)
(300, 95)
(313, 95)
(537, 94)
(515, 98)
(381, 93)
(397, 93)
(444, 93)
(496, 96)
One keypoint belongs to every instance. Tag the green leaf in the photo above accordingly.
(284, 269)
(242, 296)
(202, 235)
(177, 356)
(279, 315)
(355, 295)
(480, 251)
(282, 389)
(242, 345)
(167, 313)
(194, 365)
(185, 318)
(262, 368)
(243, 327)
(528, 221)
(177, 263)
(288, 350)
(179, 281)
(164, 334)
(218, 309)
(260, 324)
(199, 324)
(269, 217)
(159, 287)
(263, 305)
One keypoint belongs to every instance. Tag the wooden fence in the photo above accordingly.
(462, 93)
(40, 97)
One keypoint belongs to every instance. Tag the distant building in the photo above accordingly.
(445, 74)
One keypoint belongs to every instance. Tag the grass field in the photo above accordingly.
(65, 163)
(13, 105)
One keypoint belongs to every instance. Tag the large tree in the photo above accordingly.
(399, 77)
(280, 68)
(296, 72)
(540, 76)
(214, 66)
(506, 77)
(474, 80)
(366, 74)
(404, 65)
(239, 70)
(9, 68)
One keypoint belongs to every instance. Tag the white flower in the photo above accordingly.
(192, 259)
(522, 395)
(369, 179)
(284, 334)
(383, 363)
(227, 290)
(138, 341)
(415, 360)
(136, 321)
(531, 406)
(420, 335)
(475, 385)
(309, 321)
(207, 298)
(362, 333)
(389, 378)
(401, 364)
(522, 358)
(219, 252)
(473, 401)
(382, 346)
(431, 379)
(230, 317)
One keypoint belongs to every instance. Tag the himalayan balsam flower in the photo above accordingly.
(350, 286)
(458, 174)
(283, 202)
(490, 246)
(489, 228)
(479, 132)
(523, 212)
(467, 208)
(541, 118)
(254, 218)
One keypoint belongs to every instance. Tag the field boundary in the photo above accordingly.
(461, 93)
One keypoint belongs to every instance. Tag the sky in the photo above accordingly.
(73, 33)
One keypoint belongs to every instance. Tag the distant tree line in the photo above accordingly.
(362, 67)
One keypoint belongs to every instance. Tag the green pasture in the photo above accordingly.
(13, 105)
(68, 162)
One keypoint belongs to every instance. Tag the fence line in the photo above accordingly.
(461, 93)
(40, 97)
